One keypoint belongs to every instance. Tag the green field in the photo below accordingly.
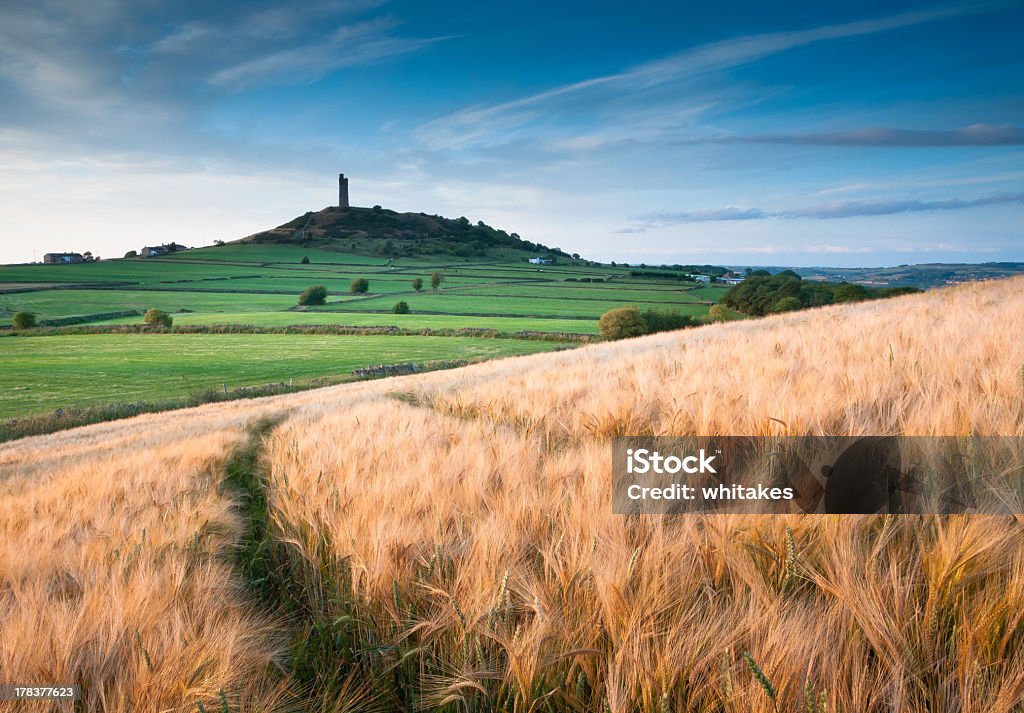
(258, 285)
(45, 373)
(383, 319)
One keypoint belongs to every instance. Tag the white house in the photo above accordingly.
(701, 278)
(540, 260)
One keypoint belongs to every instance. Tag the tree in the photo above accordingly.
(304, 260)
(435, 280)
(157, 318)
(622, 323)
(786, 304)
(417, 284)
(23, 320)
(131, 254)
(315, 295)
(360, 286)
(717, 313)
(401, 307)
(849, 293)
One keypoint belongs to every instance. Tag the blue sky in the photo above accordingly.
(867, 133)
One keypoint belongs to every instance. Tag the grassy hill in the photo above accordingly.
(445, 542)
(378, 231)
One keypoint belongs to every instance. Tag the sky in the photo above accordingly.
(735, 132)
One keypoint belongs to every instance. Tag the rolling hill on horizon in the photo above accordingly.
(391, 233)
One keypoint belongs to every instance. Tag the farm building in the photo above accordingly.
(731, 280)
(158, 250)
(62, 258)
(540, 260)
(702, 278)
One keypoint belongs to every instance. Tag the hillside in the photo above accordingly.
(924, 275)
(380, 231)
(446, 542)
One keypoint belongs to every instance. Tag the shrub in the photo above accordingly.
(360, 286)
(315, 295)
(131, 254)
(667, 321)
(417, 284)
(622, 323)
(401, 307)
(435, 280)
(23, 320)
(626, 322)
(157, 318)
(717, 313)
(304, 260)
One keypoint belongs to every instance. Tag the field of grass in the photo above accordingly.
(445, 542)
(45, 373)
(259, 284)
(66, 303)
(251, 278)
(467, 302)
(369, 319)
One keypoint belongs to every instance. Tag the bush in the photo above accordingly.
(304, 260)
(23, 320)
(401, 307)
(360, 286)
(667, 321)
(157, 318)
(315, 295)
(417, 284)
(626, 322)
(622, 323)
(130, 254)
(717, 313)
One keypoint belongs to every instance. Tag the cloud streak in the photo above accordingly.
(348, 46)
(973, 135)
(826, 211)
(480, 124)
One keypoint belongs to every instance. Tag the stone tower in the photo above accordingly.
(342, 191)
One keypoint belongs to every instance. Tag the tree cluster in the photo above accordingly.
(762, 293)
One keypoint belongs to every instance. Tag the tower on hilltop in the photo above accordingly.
(342, 191)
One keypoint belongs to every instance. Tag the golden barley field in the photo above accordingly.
(445, 542)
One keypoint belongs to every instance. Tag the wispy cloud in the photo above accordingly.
(973, 135)
(945, 182)
(347, 46)
(826, 211)
(482, 124)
